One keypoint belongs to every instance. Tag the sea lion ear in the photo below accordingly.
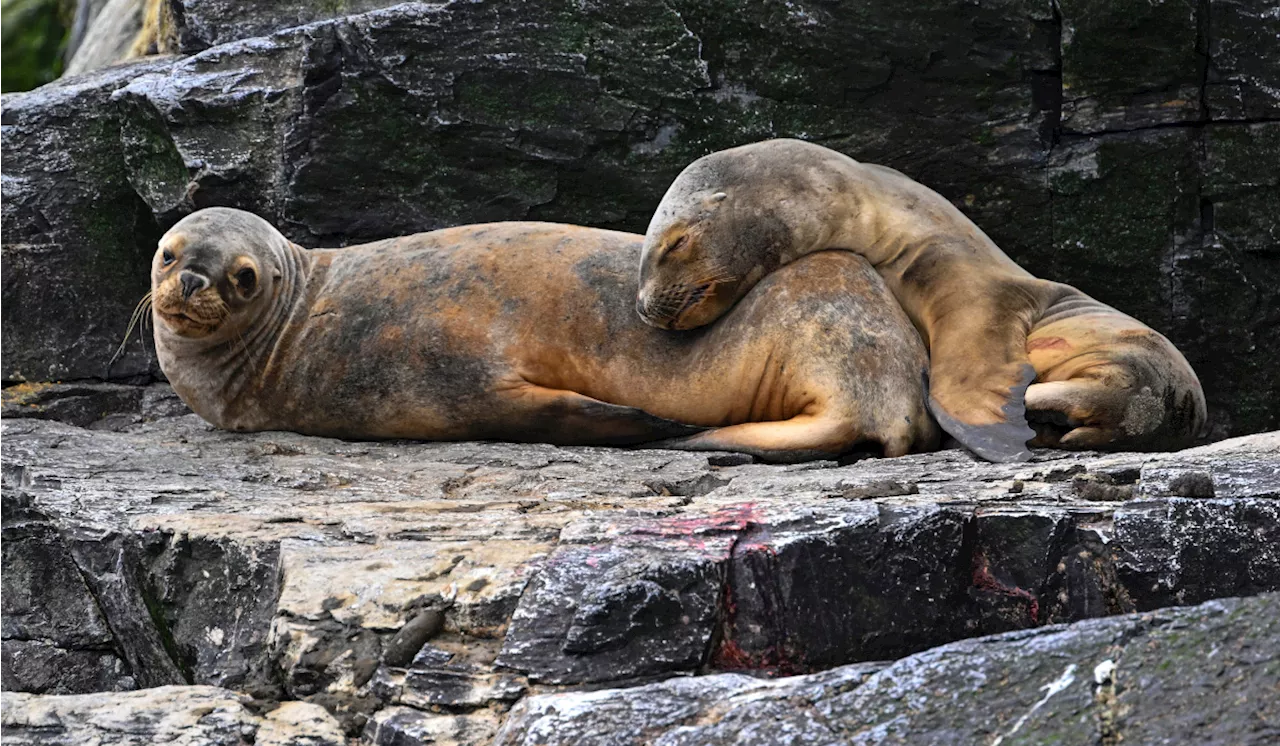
(712, 201)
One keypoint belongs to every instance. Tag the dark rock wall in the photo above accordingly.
(1126, 147)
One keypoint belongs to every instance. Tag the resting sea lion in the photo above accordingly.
(1102, 379)
(525, 331)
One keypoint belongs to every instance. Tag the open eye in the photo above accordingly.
(166, 258)
(246, 280)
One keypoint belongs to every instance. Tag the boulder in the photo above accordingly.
(1138, 678)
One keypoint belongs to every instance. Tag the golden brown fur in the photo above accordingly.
(1101, 378)
(157, 34)
(525, 331)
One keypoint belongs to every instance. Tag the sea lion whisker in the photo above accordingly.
(139, 311)
(715, 279)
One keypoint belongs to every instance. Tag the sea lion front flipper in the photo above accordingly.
(569, 418)
(999, 441)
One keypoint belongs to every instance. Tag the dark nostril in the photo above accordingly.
(191, 282)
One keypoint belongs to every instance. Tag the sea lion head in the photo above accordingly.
(214, 272)
(727, 220)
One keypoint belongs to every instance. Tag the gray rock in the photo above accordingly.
(109, 36)
(179, 715)
(296, 568)
(405, 726)
(1205, 674)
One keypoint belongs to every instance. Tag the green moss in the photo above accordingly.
(156, 168)
(1116, 213)
(1121, 47)
(332, 8)
(1241, 157)
(33, 35)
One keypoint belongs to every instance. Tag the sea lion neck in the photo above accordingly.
(870, 210)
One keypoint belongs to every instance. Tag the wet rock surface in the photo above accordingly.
(1124, 147)
(417, 591)
(1139, 678)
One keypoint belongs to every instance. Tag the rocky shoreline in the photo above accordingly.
(425, 588)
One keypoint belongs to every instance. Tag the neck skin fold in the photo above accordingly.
(926, 250)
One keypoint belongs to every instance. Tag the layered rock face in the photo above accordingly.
(416, 592)
(1124, 147)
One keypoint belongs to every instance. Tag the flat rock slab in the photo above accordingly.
(1205, 675)
(380, 580)
(178, 715)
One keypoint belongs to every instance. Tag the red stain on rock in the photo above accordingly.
(694, 531)
(731, 657)
(984, 580)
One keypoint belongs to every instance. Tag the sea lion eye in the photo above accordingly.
(166, 258)
(678, 244)
(246, 279)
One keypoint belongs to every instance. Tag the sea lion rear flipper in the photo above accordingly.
(1080, 409)
(1001, 441)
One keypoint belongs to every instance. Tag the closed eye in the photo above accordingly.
(678, 244)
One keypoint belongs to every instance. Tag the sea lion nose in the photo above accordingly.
(191, 283)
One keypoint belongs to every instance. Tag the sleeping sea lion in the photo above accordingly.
(1097, 378)
(527, 332)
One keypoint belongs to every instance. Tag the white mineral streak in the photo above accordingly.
(1067, 678)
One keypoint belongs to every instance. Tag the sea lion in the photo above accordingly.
(528, 332)
(1101, 379)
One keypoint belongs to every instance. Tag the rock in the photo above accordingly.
(181, 715)
(77, 237)
(417, 590)
(405, 726)
(1122, 147)
(300, 724)
(432, 688)
(91, 404)
(86, 12)
(205, 23)
(109, 38)
(1204, 674)
(1241, 67)
(56, 638)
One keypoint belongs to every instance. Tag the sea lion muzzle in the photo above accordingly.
(191, 284)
